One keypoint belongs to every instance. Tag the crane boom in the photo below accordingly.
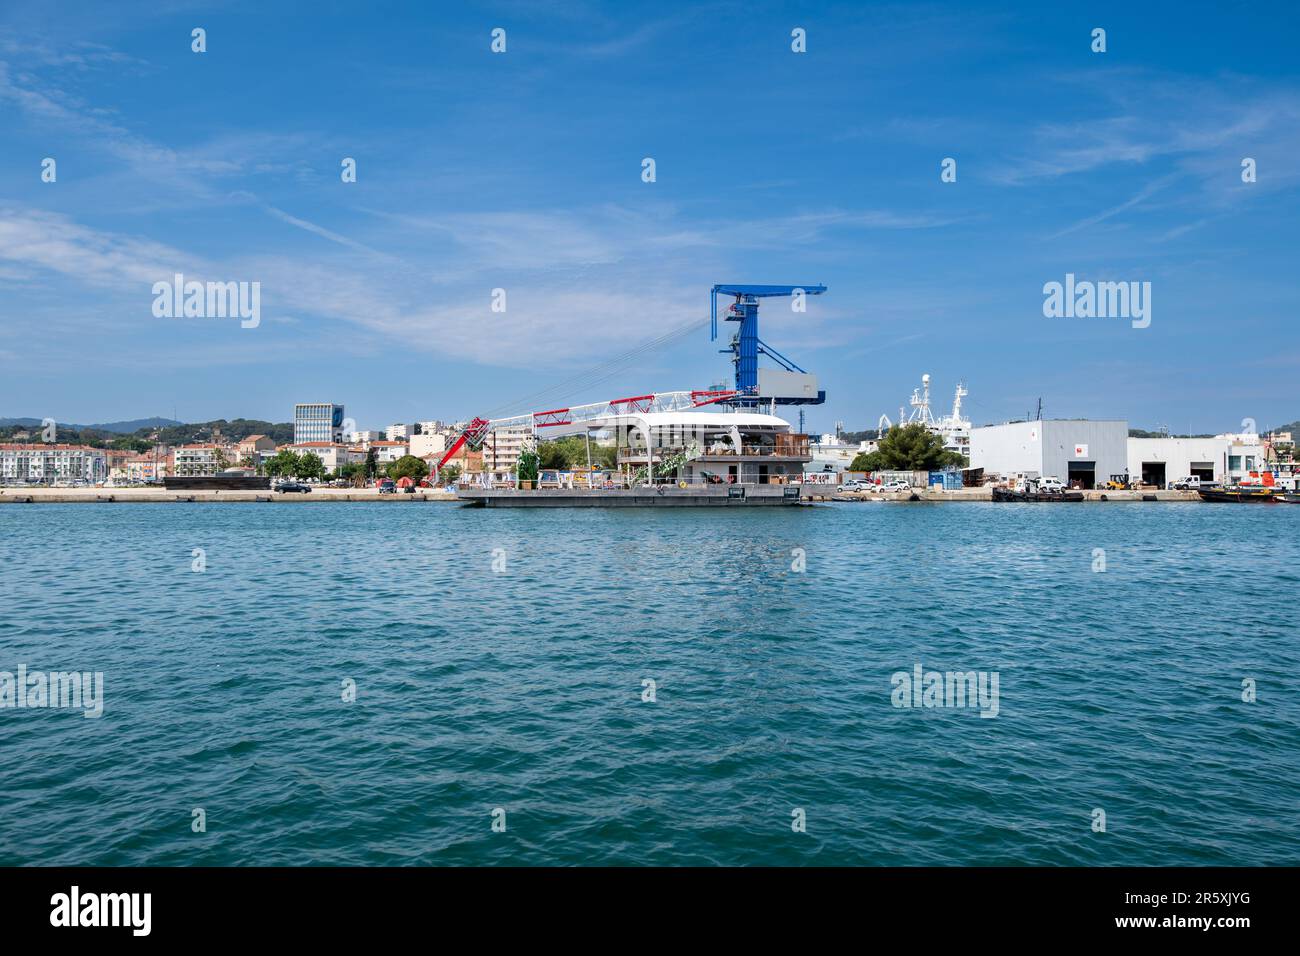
(477, 430)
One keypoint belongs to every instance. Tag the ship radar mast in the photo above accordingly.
(955, 421)
(921, 403)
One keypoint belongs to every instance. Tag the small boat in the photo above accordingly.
(1289, 497)
(1240, 493)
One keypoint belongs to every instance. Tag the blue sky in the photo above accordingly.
(522, 171)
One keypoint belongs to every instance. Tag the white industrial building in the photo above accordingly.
(1082, 453)
(1085, 454)
(1158, 461)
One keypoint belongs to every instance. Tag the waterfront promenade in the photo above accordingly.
(145, 495)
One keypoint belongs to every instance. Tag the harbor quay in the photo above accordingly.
(540, 497)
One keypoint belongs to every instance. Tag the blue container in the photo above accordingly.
(950, 480)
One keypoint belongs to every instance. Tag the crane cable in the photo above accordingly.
(603, 371)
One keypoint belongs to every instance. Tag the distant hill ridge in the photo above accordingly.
(170, 432)
(117, 428)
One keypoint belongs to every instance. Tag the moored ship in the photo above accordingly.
(1258, 494)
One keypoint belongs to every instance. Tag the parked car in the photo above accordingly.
(388, 487)
(898, 484)
(1187, 484)
(856, 484)
(293, 487)
(1051, 483)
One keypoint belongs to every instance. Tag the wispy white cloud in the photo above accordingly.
(1146, 192)
(1148, 117)
(50, 106)
(321, 231)
(53, 242)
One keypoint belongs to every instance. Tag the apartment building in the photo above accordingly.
(146, 468)
(49, 463)
(428, 443)
(333, 455)
(386, 451)
(502, 446)
(199, 461)
(253, 446)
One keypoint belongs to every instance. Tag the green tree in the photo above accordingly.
(372, 465)
(127, 443)
(354, 471)
(912, 447)
(605, 456)
(408, 466)
(555, 454)
(284, 464)
(527, 467)
(448, 474)
(570, 453)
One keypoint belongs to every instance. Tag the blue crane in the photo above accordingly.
(746, 346)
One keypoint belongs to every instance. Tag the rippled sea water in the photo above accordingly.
(521, 688)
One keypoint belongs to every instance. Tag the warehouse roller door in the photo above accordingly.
(1082, 474)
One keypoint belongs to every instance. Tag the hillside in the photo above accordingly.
(164, 430)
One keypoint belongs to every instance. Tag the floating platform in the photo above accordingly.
(1006, 494)
(218, 483)
(662, 496)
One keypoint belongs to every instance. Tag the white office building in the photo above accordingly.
(317, 422)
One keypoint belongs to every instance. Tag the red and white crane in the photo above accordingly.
(478, 429)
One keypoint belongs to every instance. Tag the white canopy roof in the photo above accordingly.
(680, 420)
